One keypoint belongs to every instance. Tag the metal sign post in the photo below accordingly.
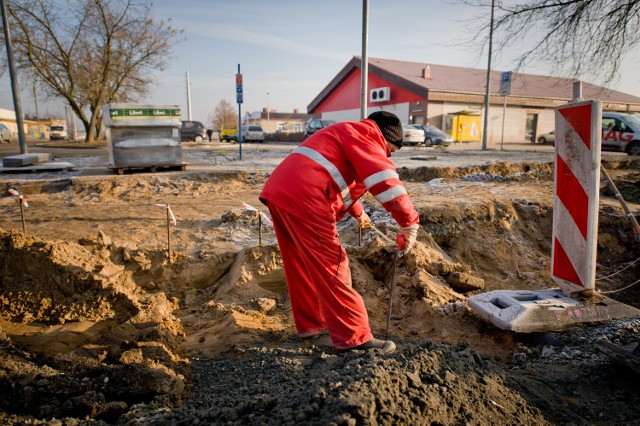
(239, 101)
(505, 90)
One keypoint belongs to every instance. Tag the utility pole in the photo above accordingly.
(14, 79)
(485, 130)
(35, 99)
(268, 121)
(365, 61)
(188, 98)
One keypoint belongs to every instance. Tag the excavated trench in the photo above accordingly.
(106, 326)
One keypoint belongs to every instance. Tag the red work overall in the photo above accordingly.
(307, 194)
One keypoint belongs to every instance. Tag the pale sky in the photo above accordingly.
(291, 49)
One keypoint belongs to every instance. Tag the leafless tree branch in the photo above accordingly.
(577, 38)
(90, 53)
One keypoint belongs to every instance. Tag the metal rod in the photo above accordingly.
(359, 236)
(392, 286)
(259, 228)
(168, 234)
(625, 207)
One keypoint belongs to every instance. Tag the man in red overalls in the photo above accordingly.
(313, 188)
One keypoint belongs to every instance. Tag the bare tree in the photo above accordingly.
(576, 37)
(91, 52)
(224, 112)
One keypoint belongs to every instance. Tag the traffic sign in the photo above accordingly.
(238, 88)
(505, 83)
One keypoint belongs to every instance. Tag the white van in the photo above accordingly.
(57, 132)
(621, 132)
(252, 134)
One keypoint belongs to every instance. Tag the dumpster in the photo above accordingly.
(143, 136)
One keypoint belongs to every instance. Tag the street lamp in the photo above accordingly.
(268, 123)
(488, 87)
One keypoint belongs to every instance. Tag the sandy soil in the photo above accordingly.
(109, 316)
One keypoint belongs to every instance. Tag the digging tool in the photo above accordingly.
(400, 245)
(379, 232)
(625, 207)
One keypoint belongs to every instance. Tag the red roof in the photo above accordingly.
(445, 78)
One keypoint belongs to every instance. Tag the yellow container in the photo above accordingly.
(463, 127)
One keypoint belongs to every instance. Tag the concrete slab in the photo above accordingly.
(25, 159)
(424, 157)
(40, 167)
(530, 311)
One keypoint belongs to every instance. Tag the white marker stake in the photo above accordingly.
(23, 205)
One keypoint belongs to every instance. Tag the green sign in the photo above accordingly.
(120, 113)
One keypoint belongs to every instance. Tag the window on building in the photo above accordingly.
(297, 127)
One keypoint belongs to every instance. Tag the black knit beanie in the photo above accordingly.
(389, 125)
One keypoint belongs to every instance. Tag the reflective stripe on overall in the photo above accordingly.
(369, 182)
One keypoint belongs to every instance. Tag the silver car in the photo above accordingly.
(547, 138)
(411, 135)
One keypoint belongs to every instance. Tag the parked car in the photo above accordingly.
(412, 135)
(252, 134)
(315, 124)
(5, 134)
(57, 132)
(193, 131)
(621, 132)
(435, 136)
(547, 138)
(229, 132)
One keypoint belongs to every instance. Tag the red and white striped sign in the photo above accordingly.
(576, 196)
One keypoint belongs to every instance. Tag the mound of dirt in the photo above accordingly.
(111, 314)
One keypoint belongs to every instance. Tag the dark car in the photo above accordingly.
(193, 131)
(316, 124)
(435, 136)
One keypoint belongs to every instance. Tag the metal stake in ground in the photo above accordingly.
(392, 285)
(23, 204)
(170, 219)
(259, 229)
(261, 217)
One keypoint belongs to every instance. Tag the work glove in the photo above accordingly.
(410, 234)
(364, 221)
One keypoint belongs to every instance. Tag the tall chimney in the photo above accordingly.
(426, 73)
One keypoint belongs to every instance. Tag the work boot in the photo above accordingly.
(384, 346)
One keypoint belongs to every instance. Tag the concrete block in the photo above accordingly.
(25, 159)
(545, 310)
